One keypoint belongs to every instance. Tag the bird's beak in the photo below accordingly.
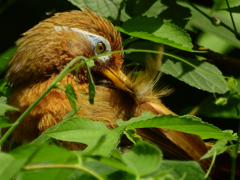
(118, 78)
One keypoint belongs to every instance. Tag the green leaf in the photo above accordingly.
(188, 123)
(187, 170)
(12, 163)
(4, 122)
(72, 97)
(79, 129)
(113, 162)
(49, 155)
(144, 158)
(198, 21)
(90, 63)
(5, 107)
(6, 160)
(72, 113)
(150, 8)
(156, 30)
(175, 13)
(105, 8)
(235, 9)
(42, 139)
(210, 109)
(131, 135)
(221, 101)
(218, 148)
(91, 85)
(210, 80)
(214, 42)
(107, 172)
(5, 57)
(216, 4)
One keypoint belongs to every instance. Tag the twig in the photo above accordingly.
(221, 61)
(234, 156)
(212, 20)
(234, 26)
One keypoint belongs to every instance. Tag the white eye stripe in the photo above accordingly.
(94, 39)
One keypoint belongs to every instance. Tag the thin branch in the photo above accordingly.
(234, 26)
(212, 20)
(219, 60)
(235, 154)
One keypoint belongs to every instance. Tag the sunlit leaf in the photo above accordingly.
(4, 122)
(79, 129)
(143, 153)
(208, 78)
(218, 148)
(11, 164)
(187, 170)
(156, 30)
(187, 123)
(5, 107)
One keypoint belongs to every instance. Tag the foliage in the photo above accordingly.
(143, 24)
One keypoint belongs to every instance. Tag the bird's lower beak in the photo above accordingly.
(118, 78)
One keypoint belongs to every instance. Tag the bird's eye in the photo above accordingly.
(100, 48)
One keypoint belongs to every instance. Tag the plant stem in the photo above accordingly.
(234, 26)
(234, 156)
(24, 114)
(73, 166)
(221, 24)
(211, 165)
(66, 70)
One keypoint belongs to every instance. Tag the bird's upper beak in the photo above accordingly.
(118, 78)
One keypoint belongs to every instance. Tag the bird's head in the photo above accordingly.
(50, 45)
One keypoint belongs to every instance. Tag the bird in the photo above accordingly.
(47, 48)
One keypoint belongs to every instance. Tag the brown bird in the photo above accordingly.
(49, 46)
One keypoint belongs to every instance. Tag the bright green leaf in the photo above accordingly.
(11, 164)
(79, 129)
(221, 101)
(6, 160)
(210, 80)
(218, 148)
(113, 162)
(198, 21)
(90, 63)
(188, 123)
(131, 135)
(178, 169)
(72, 113)
(156, 30)
(4, 122)
(50, 155)
(5, 107)
(143, 158)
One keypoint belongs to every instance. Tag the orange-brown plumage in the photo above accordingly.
(48, 47)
